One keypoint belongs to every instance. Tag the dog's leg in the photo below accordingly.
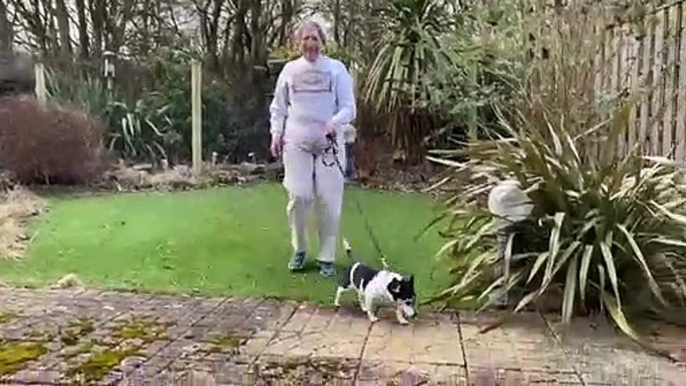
(399, 315)
(337, 300)
(360, 298)
(369, 308)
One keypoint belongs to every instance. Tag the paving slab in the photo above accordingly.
(169, 339)
(406, 373)
(602, 355)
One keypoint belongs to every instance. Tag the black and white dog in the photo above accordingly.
(377, 287)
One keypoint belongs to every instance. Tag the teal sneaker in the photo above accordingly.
(326, 269)
(297, 262)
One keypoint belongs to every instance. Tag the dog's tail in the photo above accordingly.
(348, 248)
(349, 253)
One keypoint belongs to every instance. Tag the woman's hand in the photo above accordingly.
(277, 145)
(330, 129)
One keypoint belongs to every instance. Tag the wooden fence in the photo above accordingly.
(647, 56)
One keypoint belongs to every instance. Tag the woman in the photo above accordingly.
(313, 99)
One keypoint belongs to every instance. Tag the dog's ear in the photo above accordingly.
(394, 286)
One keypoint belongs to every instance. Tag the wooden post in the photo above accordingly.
(472, 123)
(681, 85)
(196, 117)
(41, 91)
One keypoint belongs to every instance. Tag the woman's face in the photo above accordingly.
(310, 43)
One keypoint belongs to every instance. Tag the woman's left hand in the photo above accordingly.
(330, 129)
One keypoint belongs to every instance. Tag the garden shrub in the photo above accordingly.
(486, 57)
(49, 144)
(151, 119)
(395, 85)
(611, 223)
(235, 118)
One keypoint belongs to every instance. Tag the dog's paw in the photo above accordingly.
(404, 322)
(373, 318)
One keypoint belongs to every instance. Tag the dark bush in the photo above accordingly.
(48, 144)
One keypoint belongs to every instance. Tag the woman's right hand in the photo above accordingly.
(277, 145)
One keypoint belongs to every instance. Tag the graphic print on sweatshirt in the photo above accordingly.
(313, 81)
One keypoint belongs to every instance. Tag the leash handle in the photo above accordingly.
(333, 149)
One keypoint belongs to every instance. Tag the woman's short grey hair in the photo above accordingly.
(311, 24)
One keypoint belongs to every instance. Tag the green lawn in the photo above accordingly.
(220, 241)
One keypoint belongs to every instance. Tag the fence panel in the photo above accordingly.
(648, 58)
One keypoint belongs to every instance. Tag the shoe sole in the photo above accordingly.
(330, 273)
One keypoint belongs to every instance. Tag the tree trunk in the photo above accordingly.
(98, 15)
(257, 38)
(50, 28)
(240, 33)
(6, 29)
(286, 17)
(213, 34)
(83, 28)
(117, 15)
(337, 22)
(63, 28)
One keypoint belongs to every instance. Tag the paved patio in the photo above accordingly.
(66, 337)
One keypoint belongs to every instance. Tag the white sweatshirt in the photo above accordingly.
(307, 96)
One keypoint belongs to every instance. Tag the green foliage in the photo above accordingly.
(156, 123)
(608, 227)
(86, 93)
(407, 52)
(132, 130)
(135, 136)
(161, 116)
(485, 51)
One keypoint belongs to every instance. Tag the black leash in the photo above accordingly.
(332, 149)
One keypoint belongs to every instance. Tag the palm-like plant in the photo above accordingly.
(608, 228)
(88, 93)
(408, 50)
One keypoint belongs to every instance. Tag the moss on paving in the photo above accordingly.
(134, 333)
(83, 348)
(137, 330)
(99, 365)
(228, 342)
(6, 317)
(14, 355)
(140, 330)
(38, 335)
(292, 370)
(144, 328)
(76, 330)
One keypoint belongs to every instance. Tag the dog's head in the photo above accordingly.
(402, 291)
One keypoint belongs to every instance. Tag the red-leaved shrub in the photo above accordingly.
(49, 144)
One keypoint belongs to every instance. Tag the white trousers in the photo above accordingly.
(308, 182)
